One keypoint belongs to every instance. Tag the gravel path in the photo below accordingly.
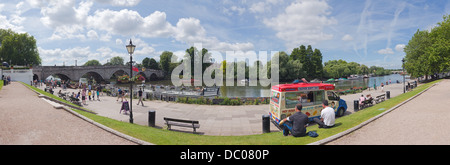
(26, 119)
(423, 120)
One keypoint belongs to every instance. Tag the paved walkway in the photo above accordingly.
(214, 119)
(423, 120)
(26, 119)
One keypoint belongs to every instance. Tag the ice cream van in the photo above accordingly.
(284, 97)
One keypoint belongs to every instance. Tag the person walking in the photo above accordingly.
(83, 96)
(89, 93)
(93, 93)
(120, 95)
(140, 97)
(98, 94)
(295, 124)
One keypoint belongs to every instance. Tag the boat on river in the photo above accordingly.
(354, 77)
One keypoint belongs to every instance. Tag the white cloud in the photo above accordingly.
(259, 7)
(142, 48)
(234, 9)
(14, 20)
(119, 42)
(103, 54)
(400, 47)
(9, 24)
(189, 30)
(58, 56)
(302, 23)
(81, 54)
(67, 21)
(37, 3)
(263, 6)
(92, 34)
(129, 22)
(63, 13)
(347, 37)
(120, 2)
(386, 51)
(68, 32)
(71, 19)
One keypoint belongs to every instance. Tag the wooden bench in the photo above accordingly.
(380, 98)
(181, 123)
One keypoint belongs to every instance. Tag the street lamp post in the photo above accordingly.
(403, 72)
(130, 49)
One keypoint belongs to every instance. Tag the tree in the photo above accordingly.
(146, 62)
(204, 55)
(428, 52)
(153, 64)
(364, 69)
(20, 49)
(283, 66)
(116, 61)
(165, 62)
(439, 50)
(416, 53)
(302, 54)
(316, 59)
(92, 63)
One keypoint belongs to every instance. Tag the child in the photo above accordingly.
(89, 93)
(98, 94)
(333, 105)
(83, 96)
(93, 95)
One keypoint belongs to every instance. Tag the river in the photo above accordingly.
(263, 91)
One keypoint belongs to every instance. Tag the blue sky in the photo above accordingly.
(371, 32)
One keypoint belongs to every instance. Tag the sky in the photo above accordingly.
(370, 32)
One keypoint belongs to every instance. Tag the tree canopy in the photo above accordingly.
(19, 49)
(428, 52)
(92, 63)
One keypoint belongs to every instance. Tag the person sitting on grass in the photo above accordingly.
(327, 116)
(295, 124)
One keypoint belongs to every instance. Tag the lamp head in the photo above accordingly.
(131, 47)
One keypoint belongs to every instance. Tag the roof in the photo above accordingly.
(302, 87)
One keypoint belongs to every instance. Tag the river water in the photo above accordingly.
(264, 91)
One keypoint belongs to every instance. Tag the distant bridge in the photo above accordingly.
(99, 73)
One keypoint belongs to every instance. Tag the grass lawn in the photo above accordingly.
(165, 137)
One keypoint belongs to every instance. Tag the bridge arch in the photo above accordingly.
(61, 76)
(153, 77)
(92, 75)
(116, 73)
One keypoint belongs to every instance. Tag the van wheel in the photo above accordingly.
(340, 112)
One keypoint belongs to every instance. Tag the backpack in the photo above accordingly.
(312, 134)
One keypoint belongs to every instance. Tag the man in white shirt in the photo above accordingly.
(327, 116)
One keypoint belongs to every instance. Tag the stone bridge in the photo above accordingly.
(99, 73)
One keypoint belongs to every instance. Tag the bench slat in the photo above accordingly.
(181, 120)
(184, 125)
